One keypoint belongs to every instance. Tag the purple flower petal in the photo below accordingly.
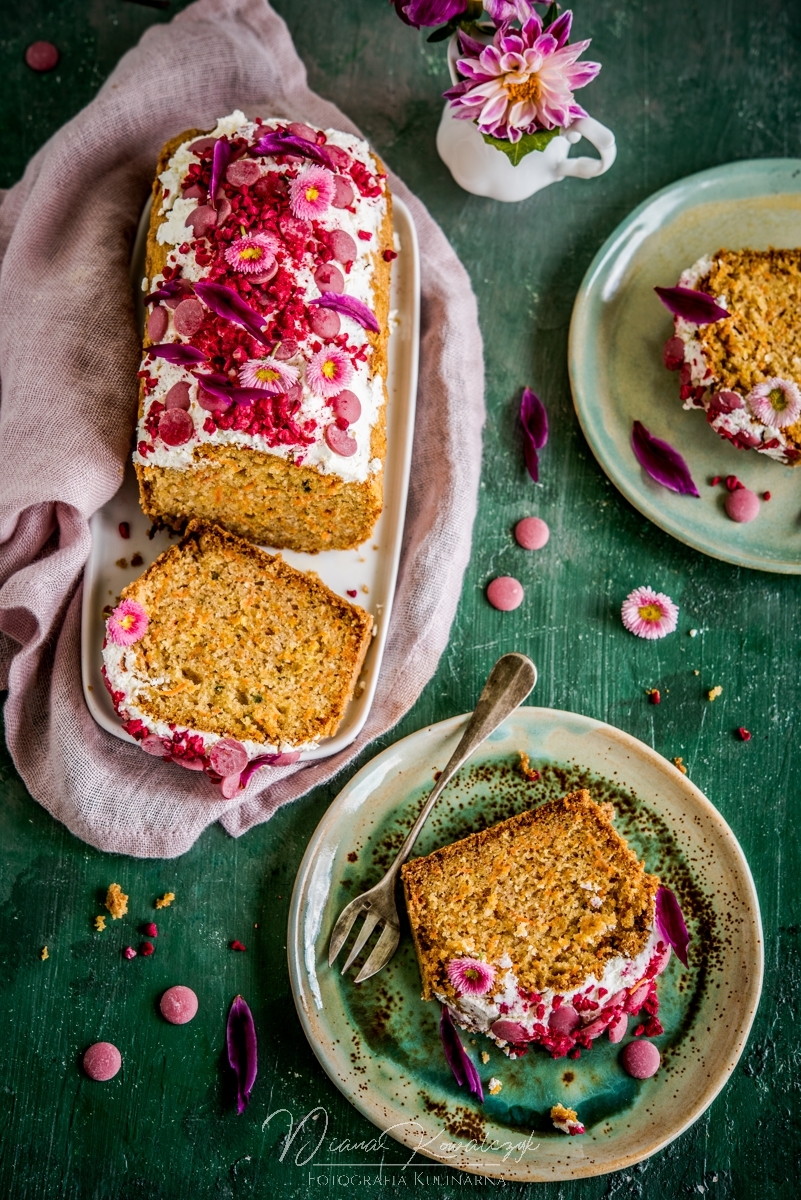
(220, 160)
(670, 922)
(166, 291)
(349, 307)
(659, 460)
(457, 1057)
(534, 419)
(241, 1039)
(268, 760)
(178, 353)
(227, 303)
(218, 385)
(287, 143)
(430, 12)
(696, 307)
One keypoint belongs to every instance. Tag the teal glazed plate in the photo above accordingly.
(616, 336)
(379, 1042)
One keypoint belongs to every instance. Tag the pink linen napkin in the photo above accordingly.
(69, 353)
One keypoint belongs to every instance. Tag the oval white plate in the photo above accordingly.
(378, 1042)
(371, 570)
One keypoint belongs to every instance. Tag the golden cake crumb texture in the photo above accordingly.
(116, 901)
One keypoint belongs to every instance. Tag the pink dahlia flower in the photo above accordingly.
(523, 81)
(128, 623)
(311, 192)
(329, 371)
(470, 976)
(252, 254)
(776, 402)
(649, 614)
(268, 373)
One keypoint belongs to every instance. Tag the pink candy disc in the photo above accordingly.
(102, 1061)
(41, 56)
(175, 427)
(230, 786)
(509, 1031)
(532, 533)
(346, 406)
(178, 1005)
(340, 441)
(243, 173)
(324, 322)
(564, 1020)
(298, 129)
(287, 349)
(178, 396)
(266, 275)
(224, 209)
(329, 278)
(742, 505)
(228, 757)
(157, 323)
(617, 1028)
(152, 744)
(673, 354)
(343, 192)
(195, 191)
(641, 1059)
(188, 317)
(505, 593)
(204, 143)
(189, 764)
(211, 403)
(343, 247)
(202, 219)
(339, 157)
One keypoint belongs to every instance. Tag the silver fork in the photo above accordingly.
(509, 682)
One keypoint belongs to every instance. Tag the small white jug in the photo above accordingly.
(486, 171)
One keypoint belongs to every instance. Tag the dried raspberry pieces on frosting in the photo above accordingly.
(744, 370)
(263, 357)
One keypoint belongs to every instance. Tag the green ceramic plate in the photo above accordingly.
(616, 372)
(379, 1042)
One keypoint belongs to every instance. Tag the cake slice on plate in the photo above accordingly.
(220, 656)
(540, 929)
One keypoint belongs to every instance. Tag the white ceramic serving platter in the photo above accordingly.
(615, 355)
(370, 570)
(379, 1042)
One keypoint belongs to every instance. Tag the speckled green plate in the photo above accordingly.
(616, 372)
(379, 1041)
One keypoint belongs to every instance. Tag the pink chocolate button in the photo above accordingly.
(301, 130)
(346, 407)
(324, 322)
(188, 317)
(157, 323)
(532, 533)
(178, 396)
(340, 441)
(343, 247)
(505, 593)
(564, 1020)
(41, 56)
(343, 192)
(228, 757)
(243, 173)
(202, 219)
(742, 505)
(102, 1061)
(339, 157)
(175, 427)
(641, 1059)
(178, 1005)
(329, 278)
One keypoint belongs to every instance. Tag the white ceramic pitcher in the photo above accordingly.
(485, 171)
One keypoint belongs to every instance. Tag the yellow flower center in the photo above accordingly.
(527, 89)
(471, 973)
(311, 193)
(778, 400)
(127, 621)
(329, 368)
(251, 254)
(267, 374)
(650, 612)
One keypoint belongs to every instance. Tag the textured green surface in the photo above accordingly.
(685, 86)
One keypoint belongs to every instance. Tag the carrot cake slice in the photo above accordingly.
(539, 930)
(744, 370)
(263, 382)
(221, 657)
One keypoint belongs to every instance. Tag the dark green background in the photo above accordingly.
(685, 85)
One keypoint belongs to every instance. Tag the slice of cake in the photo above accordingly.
(221, 656)
(745, 371)
(263, 381)
(540, 929)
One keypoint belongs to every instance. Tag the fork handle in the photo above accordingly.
(508, 684)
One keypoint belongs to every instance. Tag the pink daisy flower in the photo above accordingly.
(127, 624)
(470, 976)
(329, 371)
(311, 192)
(649, 614)
(268, 373)
(252, 254)
(776, 402)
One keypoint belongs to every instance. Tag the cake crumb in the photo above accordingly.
(714, 692)
(166, 900)
(45, 953)
(679, 762)
(696, 672)
(484, 1057)
(100, 924)
(654, 695)
(136, 559)
(693, 633)
(526, 769)
(116, 901)
(494, 1086)
(566, 1119)
(122, 563)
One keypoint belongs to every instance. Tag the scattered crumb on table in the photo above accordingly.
(116, 901)
(166, 900)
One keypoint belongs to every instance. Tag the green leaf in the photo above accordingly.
(517, 151)
(444, 31)
(550, 16)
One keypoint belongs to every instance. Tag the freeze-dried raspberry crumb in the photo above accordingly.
(147, 948)
(129, 952)
(766, 495)
(743, 734)
(639, 1031)
(654, 695)
(125, 529)
(389, 255)
(151, 929)
(574, 1053)
(235, 945)
(733, 483)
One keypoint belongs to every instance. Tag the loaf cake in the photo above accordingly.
(263, 382)
(540, 929)
(744, 371)
(221, 656)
